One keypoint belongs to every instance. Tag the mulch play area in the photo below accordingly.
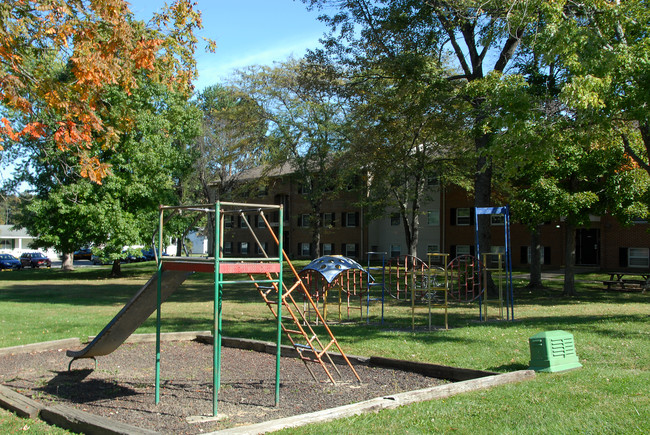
(122, 386)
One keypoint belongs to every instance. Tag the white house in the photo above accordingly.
(16, 242)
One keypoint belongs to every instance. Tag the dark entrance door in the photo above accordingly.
(588, 247)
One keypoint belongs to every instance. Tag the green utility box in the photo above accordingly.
(553, 351)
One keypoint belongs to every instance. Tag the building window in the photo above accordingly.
(228, 221)
(433, 218)
(463, 217)
(351, 219)
(394, 219)
(497, 219)
(265, 246)
(395, 250)
(638, 257)
(328, 220)
(227, 248)
(545, 255)
(304, 249)
(433, 180)
(303, 221)
(463, 250)
(350, 250)
(328, 248)
(243, 248)
(433, 249)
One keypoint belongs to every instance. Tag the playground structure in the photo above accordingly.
(334, 273)
(507, 256)
(265, 273)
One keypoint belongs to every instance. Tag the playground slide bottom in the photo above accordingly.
(134, 313)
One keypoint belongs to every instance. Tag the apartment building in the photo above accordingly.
(447, 224)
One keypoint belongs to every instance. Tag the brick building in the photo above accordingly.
(447, 225)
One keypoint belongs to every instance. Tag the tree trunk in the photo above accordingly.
(483, 193)
(569, 259)
(116, 270)
(415, 236)
(535, 281)
(67, 261)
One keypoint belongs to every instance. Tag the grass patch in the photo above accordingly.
(611, 331)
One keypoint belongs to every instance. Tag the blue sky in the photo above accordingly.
(247, 32)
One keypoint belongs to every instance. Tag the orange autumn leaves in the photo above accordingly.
(98, 44)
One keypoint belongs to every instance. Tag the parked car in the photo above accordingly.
(9, 262)
(149, 254)
(96, 259)
(35, 259)
(83, 254)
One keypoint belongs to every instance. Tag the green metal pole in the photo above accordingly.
(158, 303)
(216, 357)
(279, 334)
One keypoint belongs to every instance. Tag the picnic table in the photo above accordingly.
(628, 280)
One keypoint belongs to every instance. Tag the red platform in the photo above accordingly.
(224, 267)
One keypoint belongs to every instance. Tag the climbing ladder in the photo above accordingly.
(300, 333)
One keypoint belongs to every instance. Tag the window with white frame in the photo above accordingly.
(328, 220)
(463, 216)
(351, 219)
(433, 217)
(303, 221)
(497, 219)
(304, 250)
(394, 219)
(265, 246)
(395, 250)
(227, 248)
(638, 257)
(243, 248)
(530, 254)
(433, 249)
(328, 248)
(6, 244)
(228, 221)
(350, 250)
(260, 222)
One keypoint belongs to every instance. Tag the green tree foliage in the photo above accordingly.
(406, 134)
(476, 40)
(605, 47)
(306, 116)
(68, 211)
(560, 161)
(232, 140)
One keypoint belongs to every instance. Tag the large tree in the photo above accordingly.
(68, 211)
(478, 39)
(232, 140)
(306, 117)
(102, 47)
(406, 134)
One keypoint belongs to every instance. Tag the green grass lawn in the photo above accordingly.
(611, 330)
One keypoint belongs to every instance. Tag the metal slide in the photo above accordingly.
(134, 313)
